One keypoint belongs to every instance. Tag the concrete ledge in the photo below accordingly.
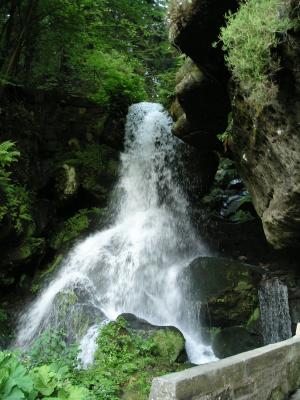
(268, 373)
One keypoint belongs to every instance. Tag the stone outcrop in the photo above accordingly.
(264, 144)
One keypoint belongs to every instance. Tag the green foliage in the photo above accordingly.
(166, 82)
(248, 39)
(71, 229)
(126, 363)
(50, 383)
(45, 382)
(15, 203)
(241, 216)
(109, 50)
(68, 232)
(52, 347)
(115, 78)
(15, 382)
(8, 154)
(225, 137)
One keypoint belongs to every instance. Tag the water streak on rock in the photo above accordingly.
(274, 308)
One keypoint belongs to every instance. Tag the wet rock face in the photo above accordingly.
(195, 26)
(265, 143)
(202, 82)
(205, 106)
(228, 293)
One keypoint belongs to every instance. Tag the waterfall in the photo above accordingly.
(132, 266)
(274, 308)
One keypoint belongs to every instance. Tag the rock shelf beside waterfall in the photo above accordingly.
(227, 293)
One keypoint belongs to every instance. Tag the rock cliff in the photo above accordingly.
(264, 141)
(69, 157)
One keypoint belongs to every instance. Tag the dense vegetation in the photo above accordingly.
(104, 49)
(112, 53)
(124, 365)
(249, 39)
(68, 72)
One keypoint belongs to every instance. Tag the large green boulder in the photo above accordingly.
(127, 359)
(168, 339)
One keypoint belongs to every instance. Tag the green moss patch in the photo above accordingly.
(75, 226)
(125, 363)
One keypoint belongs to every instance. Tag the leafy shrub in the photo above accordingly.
(8, 154)
(15, 382)
(52, 347)
(51, 382)
(114, 76)
(125, 363)
(248, 40)
(15, 198)
(45, 382)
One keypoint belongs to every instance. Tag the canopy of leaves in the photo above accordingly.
(99, 48)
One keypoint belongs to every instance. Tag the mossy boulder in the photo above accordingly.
(73, 312)
(169, 339)
(126, 362)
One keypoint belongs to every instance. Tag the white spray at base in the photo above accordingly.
(133, 266)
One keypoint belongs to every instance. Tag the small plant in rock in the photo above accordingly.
(249, 39)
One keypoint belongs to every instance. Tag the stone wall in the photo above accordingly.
(268, 373)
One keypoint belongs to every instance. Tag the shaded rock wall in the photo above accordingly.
(68, 166)
(265, 145)
(229, 310)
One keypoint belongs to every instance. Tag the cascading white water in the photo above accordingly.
(133, 265)
(274, 309)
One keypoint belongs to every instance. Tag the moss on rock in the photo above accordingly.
(93, 168)
(125, 362)
(71, 229)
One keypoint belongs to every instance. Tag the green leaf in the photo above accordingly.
(15, 394)
(77, 393)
